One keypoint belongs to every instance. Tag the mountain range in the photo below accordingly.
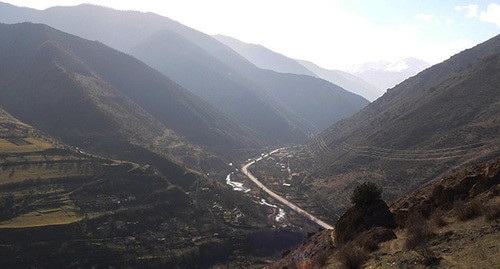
(345, 80)
(117, 157)
(385, 75)
(266, 92)
(90, 95)
(268, 59)
(117, 129)
(265, 58)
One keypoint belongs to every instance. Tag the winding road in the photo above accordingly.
(292, 206)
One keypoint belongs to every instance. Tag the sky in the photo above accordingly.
(336, 34)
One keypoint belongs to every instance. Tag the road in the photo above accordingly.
(292, 206)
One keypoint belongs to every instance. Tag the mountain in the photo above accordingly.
(268, 59)
(306, 102)
(385, 75)
(446, 116)
(345, 80)
(95, 97)
(63, 207)
(125, 29)
(222, 86)
(265, 58)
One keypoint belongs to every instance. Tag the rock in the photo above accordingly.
(359, 219)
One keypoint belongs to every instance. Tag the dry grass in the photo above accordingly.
(352, 256)
(50, 216)
(470, 210)
(20, 173)
(33, 144)
(437, 218)
(492, 209)
(418, 232)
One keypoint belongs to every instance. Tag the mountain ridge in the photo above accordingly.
(88, 76)
(345, 80)
(123, 34)
(265, 58)
(443, 117)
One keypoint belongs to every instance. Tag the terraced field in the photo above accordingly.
(33, 172)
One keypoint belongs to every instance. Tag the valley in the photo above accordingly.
(131, 140)
(280, 198)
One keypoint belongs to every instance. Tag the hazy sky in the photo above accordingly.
(332, 33)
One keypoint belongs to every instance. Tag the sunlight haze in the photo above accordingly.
(333, 34)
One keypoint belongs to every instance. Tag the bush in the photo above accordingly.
(352, 256)
(437, 218)
(470, 210)
(492, 212)
(418, 232)
(366, 193)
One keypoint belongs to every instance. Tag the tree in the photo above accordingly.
(366, 194)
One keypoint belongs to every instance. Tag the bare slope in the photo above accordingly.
(452, 222)
(445, 116)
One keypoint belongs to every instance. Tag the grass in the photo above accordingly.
(352, 256)
(41, 218)
(32, 145)
(64, 212)
(16, 174)
(470, 244)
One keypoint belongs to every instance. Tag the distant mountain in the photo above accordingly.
(268, 59)
(446, 116)
(345, 80)
(90, 95)
(265, 58)
(385, 75)
(125, 29)
(222, 86)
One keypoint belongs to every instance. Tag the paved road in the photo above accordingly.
(282, 200)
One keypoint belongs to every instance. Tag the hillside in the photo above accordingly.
(95, 97)
(222, 86)
(452, 222)
(345, 80)
(125, 29)
(265, 58)
(63, 207)
(444, 117)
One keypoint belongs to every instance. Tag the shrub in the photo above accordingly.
(470, 210)
(352, 256)
(492, 212)
(366, 194)
(437, 218)
(418, 232)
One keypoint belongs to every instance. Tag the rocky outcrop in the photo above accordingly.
(359, 219)
(461, 186)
